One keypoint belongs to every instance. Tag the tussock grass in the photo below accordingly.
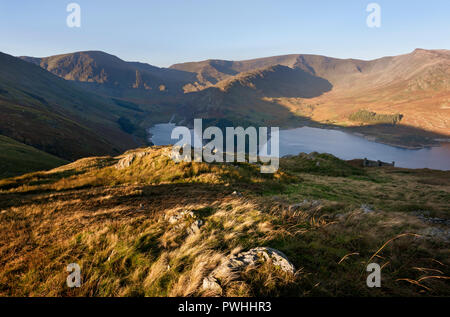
(115, 224)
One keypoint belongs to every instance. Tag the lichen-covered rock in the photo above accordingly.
(195, 227)
(210, 284)
(179, 216)
(231, 267)
(366, 208)
(125, 161)
(304, 205)
(177, 219)
(436, 233)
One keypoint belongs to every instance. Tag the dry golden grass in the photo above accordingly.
(114, 224)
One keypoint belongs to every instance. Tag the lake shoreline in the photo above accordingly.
(340, 142)
(372, 137)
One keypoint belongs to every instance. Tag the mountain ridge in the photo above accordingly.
(415, 84)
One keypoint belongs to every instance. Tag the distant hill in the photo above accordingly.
(350, 74)
(102, 68)
(287, 91)
(416, 85)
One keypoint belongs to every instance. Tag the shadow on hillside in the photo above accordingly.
(153, 198)
(400, 135)
(291, 83)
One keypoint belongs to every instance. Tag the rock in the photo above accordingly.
(125, 161)
(339, 216)
(436, 233)
(425, 217)
(366, 208)
(195, 227)
(312, 155)
(129, 159)
(210, 284)
(175, 218)
(439, 221)
(306, 204)
(233, 265)
(296, 207)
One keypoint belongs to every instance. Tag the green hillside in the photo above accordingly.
(17, 158)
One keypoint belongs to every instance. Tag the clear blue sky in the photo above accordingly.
(164, 32)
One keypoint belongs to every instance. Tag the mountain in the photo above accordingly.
(349, 74)
(97, 67)
(287, 91)
(54, 115)
(243, 98)
(139, 224)
(416, 85)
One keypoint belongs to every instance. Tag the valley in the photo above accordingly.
(225, 156)
(139, 224)
(79, 183)
(94, 103)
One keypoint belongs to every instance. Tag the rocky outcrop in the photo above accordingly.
(425, 216)
(436, 233)
(195, 227)
(305, 205)
(369, 163)
(125, 161)
(128, 159)
(367, 208)
(232, 266)
(179, 216)
(176, 219)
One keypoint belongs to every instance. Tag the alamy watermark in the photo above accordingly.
(374, 278)
(263, 145)
(374, 18)
(74, 18)
(74, 278)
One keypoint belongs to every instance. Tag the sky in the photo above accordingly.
(165, 32)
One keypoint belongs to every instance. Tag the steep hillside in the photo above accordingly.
(350, 74)
(243, 98)
(141, 225)
(278, 81)
(417, 85)
(53, 115)
(102, 68)
(288, 91)
(17, 158)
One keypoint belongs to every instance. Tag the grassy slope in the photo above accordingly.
(17, 158)
(113, 223)
(53, 115)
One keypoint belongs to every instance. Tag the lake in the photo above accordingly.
(341, 144)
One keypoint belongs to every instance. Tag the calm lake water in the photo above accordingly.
(341, 144)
